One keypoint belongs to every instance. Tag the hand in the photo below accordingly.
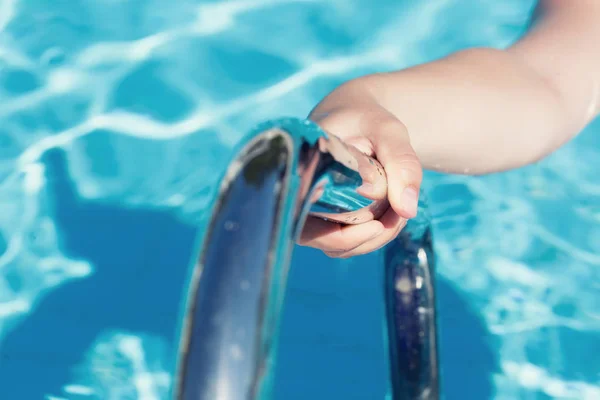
(353, 116)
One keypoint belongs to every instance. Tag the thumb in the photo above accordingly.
(391, 144)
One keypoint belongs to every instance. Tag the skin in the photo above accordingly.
(476, 111)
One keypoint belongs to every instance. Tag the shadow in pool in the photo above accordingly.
(139, 258)
(331, 339)
(468, 352)
(331, 336)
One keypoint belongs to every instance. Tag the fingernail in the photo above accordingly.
(410, 200)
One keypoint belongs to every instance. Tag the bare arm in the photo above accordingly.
(485, 110)
(476, 111)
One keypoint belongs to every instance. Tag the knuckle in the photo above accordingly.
(409, 156)
(409, 166)
(412, 170)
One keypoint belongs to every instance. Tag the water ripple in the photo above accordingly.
(103, 80)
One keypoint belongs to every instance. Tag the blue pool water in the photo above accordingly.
(116, 118)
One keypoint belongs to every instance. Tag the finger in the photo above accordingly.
(402, 166)
(345, 125)
(329, 236)
(373, 179)
(393, 226)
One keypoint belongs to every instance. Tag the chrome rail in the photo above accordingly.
(283, 172)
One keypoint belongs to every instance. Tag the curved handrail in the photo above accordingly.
(410, 311)
(282, 172)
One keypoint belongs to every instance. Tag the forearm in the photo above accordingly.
(476, 111)
(486, 110)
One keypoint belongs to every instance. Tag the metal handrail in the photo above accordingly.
(284, 171)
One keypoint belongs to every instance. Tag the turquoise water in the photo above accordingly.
(116, 117)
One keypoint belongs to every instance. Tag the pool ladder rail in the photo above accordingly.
(282, 173)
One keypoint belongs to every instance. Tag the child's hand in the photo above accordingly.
(350, 114)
